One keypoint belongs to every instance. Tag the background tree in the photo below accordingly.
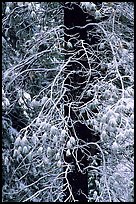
(77, 48)
(35, 128)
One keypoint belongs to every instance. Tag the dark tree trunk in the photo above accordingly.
(76, 82)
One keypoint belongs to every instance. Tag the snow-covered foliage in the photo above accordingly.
(34, 129)
(115, 96)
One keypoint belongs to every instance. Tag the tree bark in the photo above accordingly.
(76, 82)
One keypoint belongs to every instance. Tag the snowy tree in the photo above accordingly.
(41, 105)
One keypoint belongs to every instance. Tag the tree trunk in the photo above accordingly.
(76, 82)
